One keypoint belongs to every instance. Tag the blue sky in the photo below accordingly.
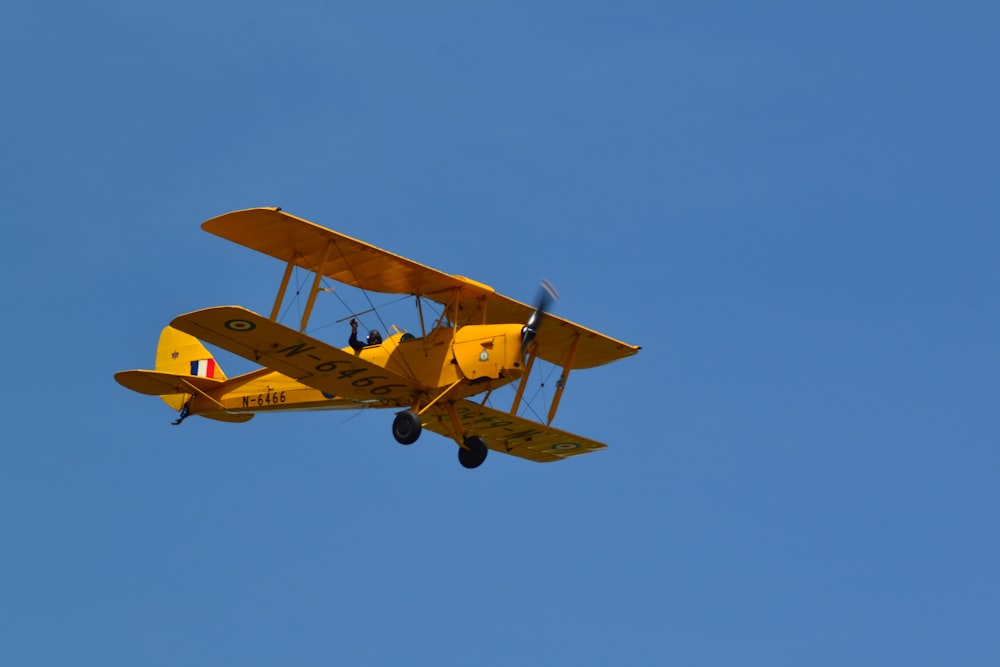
(791, 206)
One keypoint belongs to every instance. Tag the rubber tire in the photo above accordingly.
(406, 427)
(474, 456)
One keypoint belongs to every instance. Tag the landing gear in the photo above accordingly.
(474, 456)
(406, 427)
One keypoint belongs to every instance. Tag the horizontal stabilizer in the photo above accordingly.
(156, 383)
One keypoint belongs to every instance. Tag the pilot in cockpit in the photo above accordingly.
(374, 337)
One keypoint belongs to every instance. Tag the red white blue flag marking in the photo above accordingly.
(204, 368)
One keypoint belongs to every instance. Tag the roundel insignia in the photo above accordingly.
(565, 446)
(240, 325)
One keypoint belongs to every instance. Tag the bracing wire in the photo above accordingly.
(371, 304)
(528, 402)
(348, 309)
(296, 298)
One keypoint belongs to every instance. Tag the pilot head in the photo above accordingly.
(374, 337)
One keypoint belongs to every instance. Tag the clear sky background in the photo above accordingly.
(792, 207)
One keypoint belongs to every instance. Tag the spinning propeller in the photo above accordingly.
(546, 295)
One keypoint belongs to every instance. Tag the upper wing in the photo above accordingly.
(556, 336)
(335, 255)
(312, 362)
(510, 434)
(348, 260)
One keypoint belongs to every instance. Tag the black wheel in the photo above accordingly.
(474, 456)
(406, 427)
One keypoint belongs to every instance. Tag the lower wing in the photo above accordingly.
(508, 433)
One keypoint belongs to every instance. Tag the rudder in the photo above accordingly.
(182, 354)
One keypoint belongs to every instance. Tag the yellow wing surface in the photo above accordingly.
(348, 260)
(310, 361)
(509, 434)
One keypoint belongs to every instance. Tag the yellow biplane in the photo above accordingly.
(479, 342)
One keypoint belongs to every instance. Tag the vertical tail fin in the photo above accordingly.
(182, 354)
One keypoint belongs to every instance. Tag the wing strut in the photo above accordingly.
(439, 396)
(561, 382)
(315, 289)
(524, 381)
(281, 290)
(456, 424)
(420, 310)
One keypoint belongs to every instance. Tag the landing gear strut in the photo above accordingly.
(474, 456)
(406, 427)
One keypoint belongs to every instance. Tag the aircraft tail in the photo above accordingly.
(183, 354)
(179, 353)
(184, 367)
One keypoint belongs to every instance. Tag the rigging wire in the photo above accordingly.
(435, 308)
(347, 308)
(355, 413)
(371, 304)
(528, 402)
(296, 298)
